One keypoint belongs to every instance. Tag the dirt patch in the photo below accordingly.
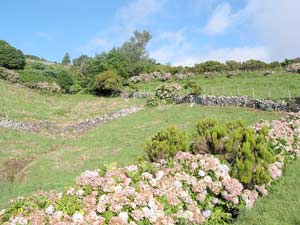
(13, 167)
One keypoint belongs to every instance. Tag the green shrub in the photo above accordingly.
(108, 83)
(193, 88)
(65, 80)
(10, 57)
(166, 143)
(242, 147)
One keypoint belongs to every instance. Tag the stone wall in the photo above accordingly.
(242, 101)
(54, 128)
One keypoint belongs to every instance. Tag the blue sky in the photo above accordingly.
(184, 31)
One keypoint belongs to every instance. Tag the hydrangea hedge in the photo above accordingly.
(186, 189)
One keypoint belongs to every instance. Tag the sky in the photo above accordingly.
(184, 32)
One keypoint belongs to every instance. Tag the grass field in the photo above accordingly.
(26, 104)
(276, 86)
(48, 162)
(281, 207)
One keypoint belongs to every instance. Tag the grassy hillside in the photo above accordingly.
(276, 86)
(32, 162)
(27, 104)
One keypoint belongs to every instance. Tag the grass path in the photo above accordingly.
(281, 206)
(57, 161)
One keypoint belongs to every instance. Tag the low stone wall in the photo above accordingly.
(242, 101)
(91, 123)
(34, 126)
(53, 128)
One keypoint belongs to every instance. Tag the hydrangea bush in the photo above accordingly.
(186, 189)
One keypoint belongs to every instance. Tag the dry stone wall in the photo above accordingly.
(54, 128)
(242, 101)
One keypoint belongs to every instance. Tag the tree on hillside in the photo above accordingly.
(66, 60)
(233, 65)
(80, 60)
(10, 57)
(134, 51)
(210, 66)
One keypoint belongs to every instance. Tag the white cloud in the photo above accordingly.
(177, 50)
(139, 12)
(220, 20)
(277, 25)
(94, 46)
(172, 46)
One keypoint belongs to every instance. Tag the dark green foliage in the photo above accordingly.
(210, 66)
(66, 60)
(108, 83)
(233, 65)
(166, 143)
(36, 72)
(252, 65)
(10, 57)
(193, 88)
(242, 147)
(64, 80)
(80, 60)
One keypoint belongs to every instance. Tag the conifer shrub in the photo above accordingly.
(166, 143)
(244, 149)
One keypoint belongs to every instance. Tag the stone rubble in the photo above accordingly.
(77, 128)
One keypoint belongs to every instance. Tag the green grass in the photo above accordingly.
(281, 206)
(26, 104)
(57, 161)
(279, 84)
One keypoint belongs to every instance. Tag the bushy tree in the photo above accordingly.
(233, 65)
(66, 60)
(65, 80)
(252, 65)
(210, 66)
(10, 57)
(108, 83)
(80, 60)
(134, 51)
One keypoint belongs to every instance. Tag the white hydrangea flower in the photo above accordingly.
(79, 193)
(124, 217)
(151, 204)
(224, 168)
(77, 217)
(132, 168)
(50, 210)
(201, 173)
(2, 212)
(19, 220)
(159, 175)
(206, 213)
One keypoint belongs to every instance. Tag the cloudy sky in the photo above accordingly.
(184, 31)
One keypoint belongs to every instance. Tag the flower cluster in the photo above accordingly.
(187, 189)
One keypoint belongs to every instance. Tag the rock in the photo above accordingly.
(9, 75)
